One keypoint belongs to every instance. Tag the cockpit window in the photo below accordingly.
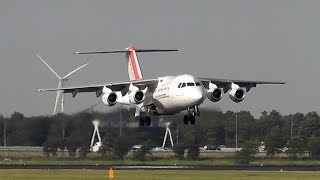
(183, 85)
(179, 86)
(198, 84)
(190, 84)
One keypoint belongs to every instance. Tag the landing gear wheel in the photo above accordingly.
(192, 119)
(148, 121)
(194, 110)
(197, 111)
(186, 119)
(141, 121)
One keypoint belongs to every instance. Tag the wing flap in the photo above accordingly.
(120, 86)
(226, 83)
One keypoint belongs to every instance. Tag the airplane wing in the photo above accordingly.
(226, 83)
(118, 86)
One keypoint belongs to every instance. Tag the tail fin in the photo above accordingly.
(134, 70)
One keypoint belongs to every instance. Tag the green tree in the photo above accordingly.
(106, 150)
(78, 131)
(193, 152)
(295, 146)
(51, 147)
(16, 116)
(310, 126)
(54, 140)
(72, 147)
(313, 146)
(211, 128)
(248, 151)
(191, 138)
(179, 149)
(145, 149)
(121, 146)
(273, 141)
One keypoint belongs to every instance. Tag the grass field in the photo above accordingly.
(207, 162)
(156, 174)
(159, 158)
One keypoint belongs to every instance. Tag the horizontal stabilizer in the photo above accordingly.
(125, 51)
(102, 52)
(156, 50)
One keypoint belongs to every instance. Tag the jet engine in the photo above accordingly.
(214, 93)
(137, 96)
(109, 97)
(236, 93)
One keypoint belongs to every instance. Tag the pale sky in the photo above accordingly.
(251, 40)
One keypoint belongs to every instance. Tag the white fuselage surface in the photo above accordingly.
(176, 93)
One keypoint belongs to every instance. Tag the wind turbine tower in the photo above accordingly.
(62, 81)
(166, 133)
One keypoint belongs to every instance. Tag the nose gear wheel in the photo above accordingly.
(189, 118)
(144, 121)
(192, 113)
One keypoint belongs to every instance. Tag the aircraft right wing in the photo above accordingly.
(119, 86)
(226, 83)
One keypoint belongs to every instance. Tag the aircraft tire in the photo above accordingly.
(197, 111)
(192, 120)
(141, 121)
(148, 121)
(186, 119)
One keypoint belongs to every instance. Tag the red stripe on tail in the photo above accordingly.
(134, 63)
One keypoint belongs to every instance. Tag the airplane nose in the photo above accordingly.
(198, 96)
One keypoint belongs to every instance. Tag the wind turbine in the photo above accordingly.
(62, 81)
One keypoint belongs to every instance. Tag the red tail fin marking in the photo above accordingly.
(134, 63)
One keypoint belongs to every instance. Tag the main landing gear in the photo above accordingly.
(191, 116)
(144, 120)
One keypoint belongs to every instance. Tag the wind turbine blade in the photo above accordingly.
(57, 99)
(76, 70)
(54, 72)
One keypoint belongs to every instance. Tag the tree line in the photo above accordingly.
(298, 132)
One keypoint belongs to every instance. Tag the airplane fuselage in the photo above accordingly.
(176, 93)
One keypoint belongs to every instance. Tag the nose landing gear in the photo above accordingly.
(145, 121)
(189, 118)
(192, 113)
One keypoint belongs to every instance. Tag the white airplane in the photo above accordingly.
(167, 95)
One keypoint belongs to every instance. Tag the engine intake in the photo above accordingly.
(110, 98)
(137, 96)
(237, 95)
(214, 93)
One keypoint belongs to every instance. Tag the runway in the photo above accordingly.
(121, 167)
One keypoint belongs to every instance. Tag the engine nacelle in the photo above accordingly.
(236, 93)
(109, 97)
(137, 96)
(214, 93)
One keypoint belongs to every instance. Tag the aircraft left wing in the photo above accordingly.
(226, 83)
(118, 86)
